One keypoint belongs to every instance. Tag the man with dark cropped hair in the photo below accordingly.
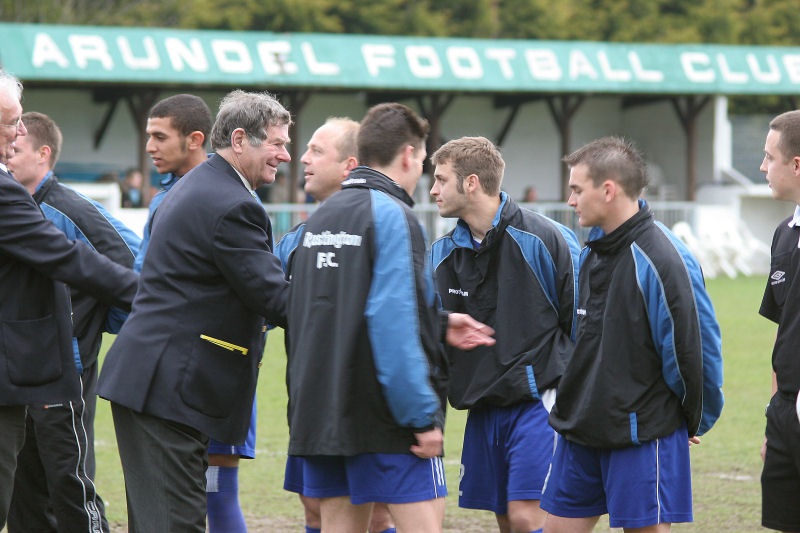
(645, 375)
(185, 364)
(366, 372)
(780, 479)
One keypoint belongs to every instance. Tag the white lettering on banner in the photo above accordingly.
(274, 57)
(377, 56)
(326, 259)
(609, 73)
(654, 76)
(151, 61)
(423, 61)
(464, 62)
(773, 76)
(180, 54)
(45, 50)
(317, 67)
(326, 238)
(543, 64)
(232, 56)
(579, 65)
(688, 61)
(792, 64)
(87, 48)
(562, 64)
(727, 74)
(503, 56)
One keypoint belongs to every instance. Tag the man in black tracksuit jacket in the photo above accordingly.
(512, 269)
(366, 373)
(646, 372)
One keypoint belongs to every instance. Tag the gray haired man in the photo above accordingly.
(185, 364)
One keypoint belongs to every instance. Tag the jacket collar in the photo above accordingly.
(219, 163)
(624, 235)
(369, 178)
(44, 186)
(462, 235)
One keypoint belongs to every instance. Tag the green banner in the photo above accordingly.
(143, 55)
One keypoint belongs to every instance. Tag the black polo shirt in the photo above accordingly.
(781, 304)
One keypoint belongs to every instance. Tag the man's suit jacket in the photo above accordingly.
(190, 349)
(36, 353)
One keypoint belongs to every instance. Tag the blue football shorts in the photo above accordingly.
(367, 477)
(293, 476)
(505, 457)
(638, 486)
(246, 450)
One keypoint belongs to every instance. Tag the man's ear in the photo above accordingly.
(796, 166)
(351, 163)
(408, 156)
(196, 140)
(238, 138)
(610, 190)
(44, 153)
(472, 183)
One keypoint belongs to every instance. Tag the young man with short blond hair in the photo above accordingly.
(514, 270)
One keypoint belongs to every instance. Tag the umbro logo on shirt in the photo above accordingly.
(779, 276)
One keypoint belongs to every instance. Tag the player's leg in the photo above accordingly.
(423, 517)
(341, 516)
(413, 488)
(312, 514)
(524, 516)
(529, 442)
(573, 493)
(293, 481)
(381, 520)
(649, 486)
(657, 528)
(322, 481)
(484, 471)
(222, 482)
(561, 524)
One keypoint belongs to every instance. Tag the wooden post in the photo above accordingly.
(297, 100)
(139, 104)
(687, 108)
(562, 109)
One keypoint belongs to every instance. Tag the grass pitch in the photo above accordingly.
(726, 465)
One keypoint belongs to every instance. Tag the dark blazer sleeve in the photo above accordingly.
(27, 237)
(254, 273)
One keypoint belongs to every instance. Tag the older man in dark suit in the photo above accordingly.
(37, 362)
(184, 366)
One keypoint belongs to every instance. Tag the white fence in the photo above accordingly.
(716, 234)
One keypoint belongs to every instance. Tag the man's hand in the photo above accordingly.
(466, 333)
(694, 440)
(429, 444)
(764, 450)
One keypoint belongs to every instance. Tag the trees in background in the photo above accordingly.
(747, 22)
(772, 22)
